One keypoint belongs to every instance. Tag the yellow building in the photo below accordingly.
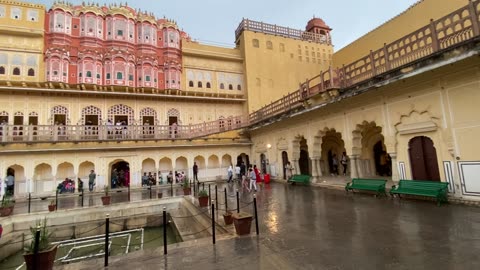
(21, 41)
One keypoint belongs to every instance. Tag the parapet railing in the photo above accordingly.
(66, 133)
(447, 32)
(272, 29)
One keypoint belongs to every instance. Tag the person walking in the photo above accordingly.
(243, 169)
(195, 171)
(237, 172)
(230, 174)
(288, 170)
(253, 180)
(335, 165)
(91, 180)
(344, 162)
(10, 181)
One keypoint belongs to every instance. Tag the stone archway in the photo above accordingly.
(301, 156)
(423, 159)
(332, 146)
(373, 159)
(65, 170)
(18, 174)
(119, 174)
(84, 170)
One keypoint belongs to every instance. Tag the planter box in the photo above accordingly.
(203, 201)
(46, 259)
(6, 211)
(187, 191)
(106, 200)
(242, 222)
(227, 217)
(52, 207)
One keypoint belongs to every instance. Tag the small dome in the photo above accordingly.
(317, 23)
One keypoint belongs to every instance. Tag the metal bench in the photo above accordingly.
(300, 178)
(377, 185)
(437, 190)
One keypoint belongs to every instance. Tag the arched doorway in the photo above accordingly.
(284, 164)
(332, 145)
(243, 158)
(304, 160)
(383, 162)
(263, 163)
(120, 174)
(423, 159)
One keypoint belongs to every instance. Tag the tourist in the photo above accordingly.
(344, 162)
(150, 179)
(253, 180)
(229, 174)
(114, 178)
(91, 180)
(109, 127)
(288, 171)
(144, 179)
(80, 184)
(335, 165)
(160, 178)
(10, 181)
(121, 178)
(237, 172)
(383, 164)
(195, 171)
(243, 169)
(170, 177)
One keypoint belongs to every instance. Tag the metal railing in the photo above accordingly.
(447, 32)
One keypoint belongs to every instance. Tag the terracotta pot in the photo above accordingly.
(106, 200)
(203, 201)
(227, 217)
(187, 191)
(6, 211)
(242, 222)
(52, 207)
(160, 195)
(45, 259)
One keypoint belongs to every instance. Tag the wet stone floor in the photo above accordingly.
(313, 228)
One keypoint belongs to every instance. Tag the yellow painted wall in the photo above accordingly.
(272, 72)
(21, 40)
(215, 65)
(410, 20)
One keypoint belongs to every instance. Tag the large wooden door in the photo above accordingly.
(423, 159)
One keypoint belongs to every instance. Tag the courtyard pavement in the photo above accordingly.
(314, 228)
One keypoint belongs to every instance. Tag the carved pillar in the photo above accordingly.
(354, 169)
(314, 170)
(296, 166)
(319, 168)
(395, 174)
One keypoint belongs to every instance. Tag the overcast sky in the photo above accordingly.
(215, 21)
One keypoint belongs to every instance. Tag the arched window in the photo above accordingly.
(269, 45)
(230, 87)
(31, 72)
(190, 83)
(119, 75)
(255, 43)
(199, 84)
(239, 87)
(209, 85)
(222, 86)
(89, 74)
(2, 70)
(16, 71)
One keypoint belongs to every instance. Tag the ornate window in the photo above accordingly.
(239, 87)
(222, 86)
(59, 110)
(230, 87)
(199, 84)
(32, 15)
(91, 110)
(122, 110)
(173, 113)
(119, 75)
(149, 112)
(190, 83)
(31, 72)
(89, 74)
(269, 45)
(255, 43)
(2, 70)
(16, 71)
(16, 13)
(209, 85)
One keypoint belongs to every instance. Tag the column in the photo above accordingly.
(314, 170)
(319, 168)
(354, 169)
(296, 166)
(395, 174)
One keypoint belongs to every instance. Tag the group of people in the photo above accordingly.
(67, 185)
(120, 178)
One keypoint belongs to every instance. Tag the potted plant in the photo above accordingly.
(186, 187)
(203, 198)
(227, 217)
(106, 198)
(6, 208)
(46, 251)
(242, 222)
(52, 206)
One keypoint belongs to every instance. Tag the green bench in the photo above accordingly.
(436, 190)
(300, 178)
(377, 185)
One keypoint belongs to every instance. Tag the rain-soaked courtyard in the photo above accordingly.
(304, 227)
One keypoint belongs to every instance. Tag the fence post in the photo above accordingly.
(226, 203)
(107, 232)
(29, 201)
(171, 188)
(82, 196)
(56, 199)
(474, 16)
(238, 203)
(372, 63)
(150, 191)
(385, 54)
(209, 193)
(213, 222)
(35, 248)
(164, 230)
(433, 32)
(255, 209)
